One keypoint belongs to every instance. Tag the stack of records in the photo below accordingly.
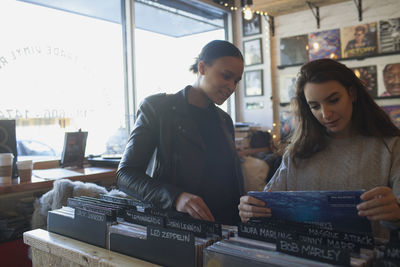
(389, 253)
(239, 251)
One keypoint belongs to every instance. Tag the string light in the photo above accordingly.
(247, 11)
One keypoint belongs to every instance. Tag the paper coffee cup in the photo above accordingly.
(6, 164)
(25, 170)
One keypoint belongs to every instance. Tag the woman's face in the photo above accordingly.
(219, 80)
(332, 105)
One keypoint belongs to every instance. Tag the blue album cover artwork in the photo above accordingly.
(335, 210)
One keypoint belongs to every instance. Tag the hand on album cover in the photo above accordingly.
(252, 207)
(194, 205)
(379, 204)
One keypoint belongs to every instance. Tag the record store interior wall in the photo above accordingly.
(337, 16)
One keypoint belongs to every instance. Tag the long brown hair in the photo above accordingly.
(368, 118)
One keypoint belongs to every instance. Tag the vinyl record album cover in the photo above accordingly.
(287, 124)
(359, 40)
(324, 44)
(391, 80)
(389, 33)
(394, 113)
(294, 50)
(368, 77)
(334, 210)
(287, 87)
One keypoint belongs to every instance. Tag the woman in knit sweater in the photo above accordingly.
(343, 141)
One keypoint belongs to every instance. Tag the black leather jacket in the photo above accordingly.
(164, 125)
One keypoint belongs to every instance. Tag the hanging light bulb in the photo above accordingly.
(248, 14)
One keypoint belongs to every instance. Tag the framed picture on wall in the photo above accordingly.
(391, 78)
(253, 83)
(252, 26)
(287, 124)
(287, 88)
(252, 52)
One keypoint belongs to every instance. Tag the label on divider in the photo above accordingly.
(314, 252)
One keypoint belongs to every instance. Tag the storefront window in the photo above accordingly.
(167, 41)
(62, 66)
(60, 71)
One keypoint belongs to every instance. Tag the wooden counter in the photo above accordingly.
(42, 179)
(49, 249)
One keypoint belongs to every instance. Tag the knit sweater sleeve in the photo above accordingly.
(395, 167)
(278, 182)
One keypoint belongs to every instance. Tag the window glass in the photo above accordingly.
(165, 50)
(60, 72)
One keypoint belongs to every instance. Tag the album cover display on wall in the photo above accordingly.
(391, 80)
(287, 87)
(325, 44)
(294, 50)
(389, 33)
(394, 113)
(287, 124)
(252, 26)
(368, 76)
(359, 40)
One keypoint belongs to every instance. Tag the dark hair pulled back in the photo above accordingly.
(214, 50)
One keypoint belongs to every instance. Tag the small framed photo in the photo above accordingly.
(74, 149)
(253, 26)
(253, 83)
(287, 88)
(252, 52)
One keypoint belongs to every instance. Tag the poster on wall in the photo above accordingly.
(391, 80)
(252, 26)
(252, 52)
(253, 83)
(287, 88)
(287, 124)
(359, 40)
(368, 77)
(389, 35)
(294, 50)
(394, 113)
(324, 44)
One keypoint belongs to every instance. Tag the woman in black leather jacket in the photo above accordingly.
(196, 168)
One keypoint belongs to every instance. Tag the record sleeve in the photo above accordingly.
(394, 113)
(359, 40)
(324, 44)
(334, 210)
(294, 50)
(368, 77)
(389, 33)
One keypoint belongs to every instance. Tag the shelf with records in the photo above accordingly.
(345, 59)
(355, 42)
